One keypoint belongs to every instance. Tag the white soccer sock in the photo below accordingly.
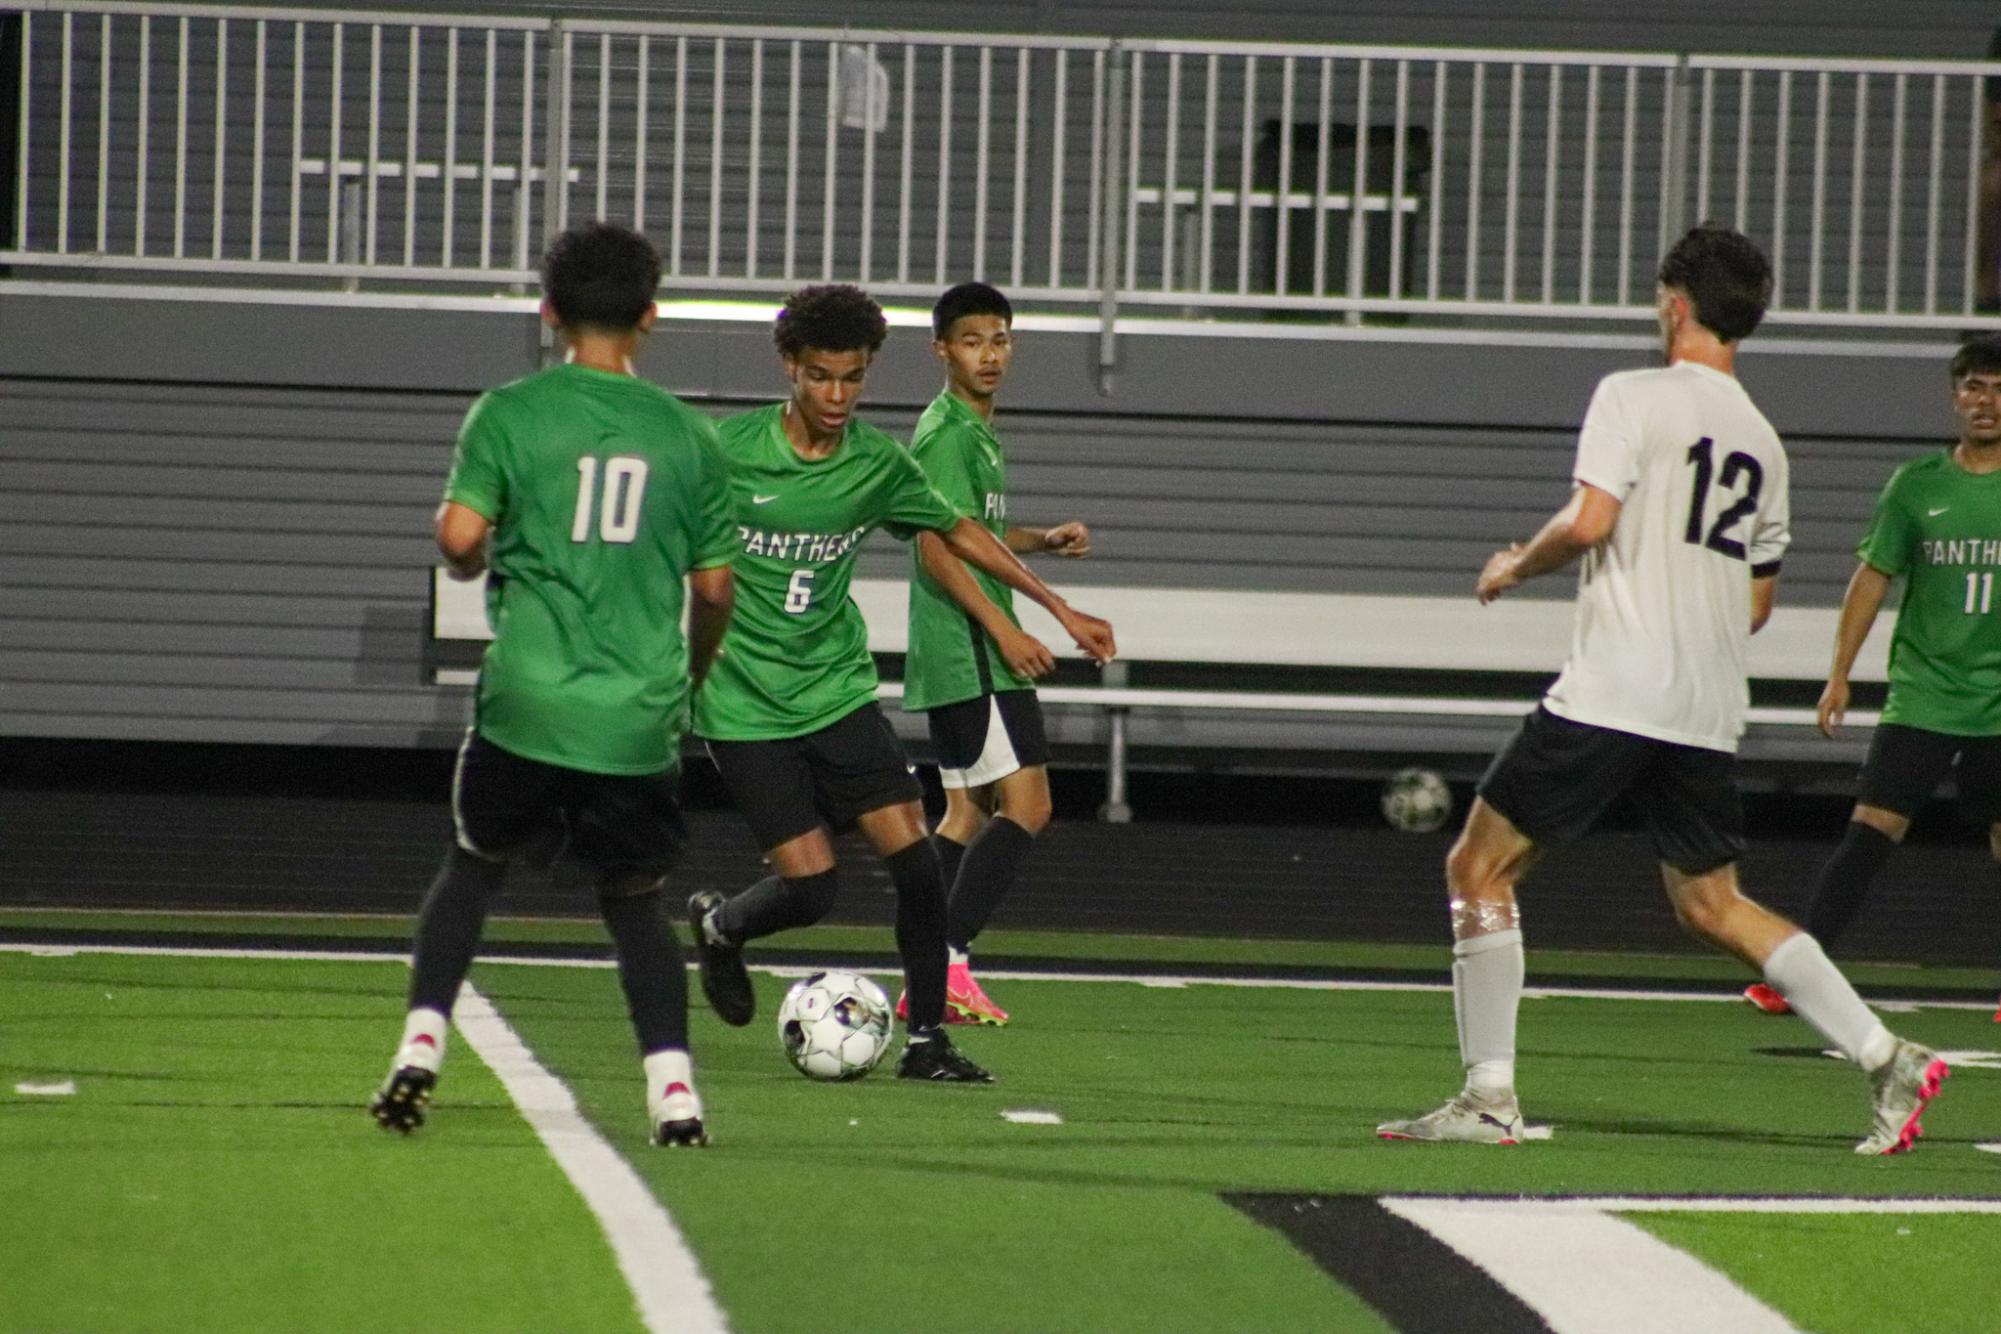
(1799, 970)
(1487, 974)
(957, 956)
(671, 1066)
(423, 1045)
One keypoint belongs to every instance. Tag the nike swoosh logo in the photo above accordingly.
(1935, 513)
(763, 500)
(1496, 1121)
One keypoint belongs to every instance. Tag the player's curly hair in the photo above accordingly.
(1977, 356)
(1727, 278)
(968, 299)
(832, 317)
(600, 275)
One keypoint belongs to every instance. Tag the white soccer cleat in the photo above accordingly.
(677, 1118)
(1906, 1082)
(1468, 1119)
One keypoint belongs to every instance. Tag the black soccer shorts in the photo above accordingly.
(503, 803)
(1905, 764)
(1557, 777)
(987, 737)
(848, 768)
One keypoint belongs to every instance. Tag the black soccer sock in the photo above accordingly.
(920, 930)
(778, 904)
(448, 927)
(985, 876)
(650, 968)
(1844, 881)
(950, 853)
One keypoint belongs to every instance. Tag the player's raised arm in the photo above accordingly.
(1024, 653)
(1867, 588)
(1580, 525)
(978, 547)
(1071, 539)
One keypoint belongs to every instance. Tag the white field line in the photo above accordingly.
(1712, 1204)
(666, 1282)
(1587, 1270)
(1170, 980)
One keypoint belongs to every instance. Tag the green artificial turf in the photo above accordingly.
(1854, 1273)
(215, 1169)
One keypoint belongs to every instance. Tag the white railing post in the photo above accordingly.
(1675, 154)
(555, 157)
(1111, 231)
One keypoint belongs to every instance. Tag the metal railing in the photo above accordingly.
(1181, 178)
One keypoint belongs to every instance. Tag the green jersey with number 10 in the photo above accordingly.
(604, 491)
(796, 657)
(1939, 526)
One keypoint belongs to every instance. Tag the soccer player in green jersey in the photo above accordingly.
(602, 495)
(789, 713)
(1938, 526)
(970, 667)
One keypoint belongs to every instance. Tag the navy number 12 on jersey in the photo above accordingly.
(1736, 465)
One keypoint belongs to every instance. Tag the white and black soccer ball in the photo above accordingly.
(834, 1025)
(1416, 801)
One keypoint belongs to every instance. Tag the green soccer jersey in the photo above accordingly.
(603, 491)
(796, 657)
(951, 657)
(1939, 526)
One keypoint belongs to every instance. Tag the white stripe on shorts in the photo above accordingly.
(997, 758)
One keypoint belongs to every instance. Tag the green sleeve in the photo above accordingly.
(477, 479)
(942, 456)
(1887, 545)
(716, 535)
(910, 502)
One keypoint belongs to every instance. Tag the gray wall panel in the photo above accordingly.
(183, 557)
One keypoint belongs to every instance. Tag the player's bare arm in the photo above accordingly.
(1580, 525)
(1764, 596)
(711, 598)
(1867, 588)
(976, 546)
(1070, 539)
(461, 533)
(1024, 653)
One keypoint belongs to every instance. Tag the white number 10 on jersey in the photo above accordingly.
(624, 487)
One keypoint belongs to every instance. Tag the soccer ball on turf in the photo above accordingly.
(1416, 801)
(834, 1025)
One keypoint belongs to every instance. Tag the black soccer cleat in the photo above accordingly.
(940, 1062)
(725, 981)
(684, 1134)
(401, 1102)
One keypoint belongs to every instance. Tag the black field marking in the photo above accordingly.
(1418, 1283)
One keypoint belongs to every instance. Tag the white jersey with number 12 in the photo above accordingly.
(1663, 620)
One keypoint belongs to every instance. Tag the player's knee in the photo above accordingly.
(1029, 810)
(1994, 842)
(1470, 871)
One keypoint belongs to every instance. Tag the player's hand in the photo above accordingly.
(1025, 655)
(1833, 706)
(1071, 539)
(1092, 635)
(1499, 575)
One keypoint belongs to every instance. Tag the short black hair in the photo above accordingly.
(1726, 276)
(833, 317)
(968, 299)
(1977, 356)
(600, 275)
